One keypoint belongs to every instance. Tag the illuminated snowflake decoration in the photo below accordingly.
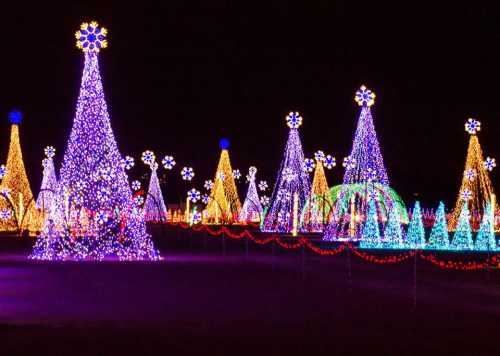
(370, 174)
(466, 194)
(138, 200)
(5, 192)
(5, 214)
(294, 120)
(196, 217)
(264, 200)
(128, 162)
(101, 217)
(187, 173)
(263, 185)
(168, 162)
(236, 174)
(221, 176)
(364, 97)
(208, 184)
(91, 37)
(319, 156)
(194, 195)
(103, 195)
(136, 185)
(470, 174)
(472, 126)
(205, 198)
(3, 171)
(148, 157)
(309, 165)
(288, 175)
(49, 151)
(349, 162)
(489, 164)
(329, 162)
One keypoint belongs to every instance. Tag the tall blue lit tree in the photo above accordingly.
(439, 238)
(415, 236)
(371, 230)
(95, 216)
(292, 187)
(462, 239)
(485, 239)
(252, 208)
(365, 176)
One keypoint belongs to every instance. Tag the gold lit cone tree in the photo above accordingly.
(15, 192)
(224, 204)
(476, 189)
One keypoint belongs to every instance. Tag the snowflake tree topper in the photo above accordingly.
(364, 96)
(294, 120)
(91, 38)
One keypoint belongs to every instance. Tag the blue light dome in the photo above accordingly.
(15, 117)
(224, 143)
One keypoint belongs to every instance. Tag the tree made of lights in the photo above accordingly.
(476, 189)
(371, 230)
(95, 217)
(49, 181)
(154, 207)
(439, 238)
(252, 208)
(485, 239)
(393, 232)
(224, 204)
(292, 188)
(16, 197)
(365, 178)
(462, 238)
(415, 236)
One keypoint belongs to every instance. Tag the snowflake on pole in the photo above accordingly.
(205, 198)
(148, 157)
(364, 96)
(489, 164)
(168, 162)
(309, 165)
(263, 186)
(472, 126)
(187, 173)
(50, 151)
(91, 37)
(264, 200)
(136, 185)
(208, 184)
(194, 195)
(294, 120)
(128, 162)
(319, 156)
(138, 200)
(329, 162)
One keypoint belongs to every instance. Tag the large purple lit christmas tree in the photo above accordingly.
(292, 187)
(365, 179)
(95, 216)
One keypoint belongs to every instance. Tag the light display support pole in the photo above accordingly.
(295, 213)
(352, 228)
(187, 210)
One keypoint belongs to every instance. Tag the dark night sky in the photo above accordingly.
(178, 77)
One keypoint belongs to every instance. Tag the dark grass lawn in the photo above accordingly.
(210, 298)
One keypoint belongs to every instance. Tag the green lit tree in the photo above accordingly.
(393, 234)
(371, 232)
(439, 239)
(485, 240)
(462, 239)
(415, 236)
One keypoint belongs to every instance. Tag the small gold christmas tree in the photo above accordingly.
(16, 199)
(223, 204)
(476, 189)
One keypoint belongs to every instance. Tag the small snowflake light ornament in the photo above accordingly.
(329, 162)
(187, 173)
(128, 162)
(349, 162)
(91, 38)
(204, 199)
(208, 184)
(489, 164)
(5, 192)
(3, 171)
(136, 185)
(5, 214)
(319, 156)
(466, 194)
(221, 176)
(472, 126)
(101, 217)
(49, 151)
(264, 200)
(168, 162)
(236, 174)
(470, 174)
(309, 165)
(294, 120)
(263, 185)
(138, 200)
(364, 97)
(148, 157)
(194, 195)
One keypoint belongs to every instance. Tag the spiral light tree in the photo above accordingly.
(95, 216)
(292, 188)
(365, 179)
(252, 208)
(223, 204)
(476, 189)
(16, 199)
(49, 181)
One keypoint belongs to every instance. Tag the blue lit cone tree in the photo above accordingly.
(415, 236)
(485, 239)
(95, 216)
(371, 231)
(393, 233)
(292, 187)
(439, 238)
(462, 238)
